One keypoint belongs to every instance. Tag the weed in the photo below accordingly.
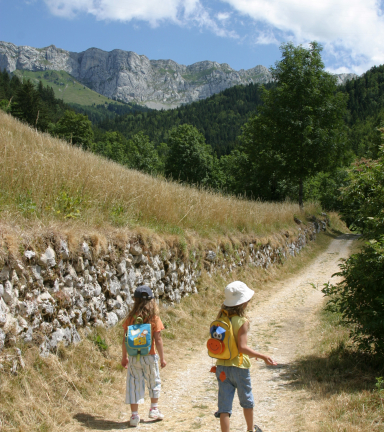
(67, 205)
(99, 342)
(26, 204)
(168, 334)
(118, 215)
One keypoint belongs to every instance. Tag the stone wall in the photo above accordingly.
(46, 297)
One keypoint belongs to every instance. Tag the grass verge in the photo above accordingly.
(346, 385)
(48, 394)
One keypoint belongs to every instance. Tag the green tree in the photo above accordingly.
(143, 155)
(112, 146)
(189, 157)
(27, 105)
(75, 128)
(299, 129)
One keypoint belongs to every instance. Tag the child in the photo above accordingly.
(234, 374)
(146, 368)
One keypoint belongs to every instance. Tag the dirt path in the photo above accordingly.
(280, 324)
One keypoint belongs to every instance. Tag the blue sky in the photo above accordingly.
(242, 33)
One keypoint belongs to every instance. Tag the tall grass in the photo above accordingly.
(43, 178)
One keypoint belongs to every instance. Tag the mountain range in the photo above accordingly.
(130, 77)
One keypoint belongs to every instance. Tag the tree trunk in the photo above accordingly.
(301, 194)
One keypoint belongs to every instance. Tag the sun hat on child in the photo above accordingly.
(237, 293)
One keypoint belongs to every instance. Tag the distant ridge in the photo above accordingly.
(129, 77)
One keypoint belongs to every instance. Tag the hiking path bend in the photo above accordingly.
(282, 322)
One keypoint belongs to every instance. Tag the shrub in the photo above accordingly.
(360, 295)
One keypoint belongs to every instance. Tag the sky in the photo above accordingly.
(241, 33)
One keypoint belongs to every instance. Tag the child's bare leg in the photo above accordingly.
(134, 407)
(248, 414)
(224, 422)
(154, 400)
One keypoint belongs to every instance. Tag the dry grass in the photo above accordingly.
(49, 393)
(43, 179)
(342, 382)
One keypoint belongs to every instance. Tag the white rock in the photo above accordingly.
(86, 251)
(64, 251)
(3, 313)
(27, 308)
(80, 265)
(48, 258)
(135, 250)
(122, 268)
(211, 256)
(29, 254)
(5, 273)
(36, 272)
(111, 319)
(9, 294)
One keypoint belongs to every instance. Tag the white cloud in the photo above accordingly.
(223, 16)
(152, 11)
(181, 12)
(266, 38)
(348, 29)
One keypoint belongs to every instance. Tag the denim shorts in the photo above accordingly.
(236, 378)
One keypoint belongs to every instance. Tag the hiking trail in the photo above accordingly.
(282, 322)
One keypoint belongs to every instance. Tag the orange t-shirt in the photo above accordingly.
(156, 326)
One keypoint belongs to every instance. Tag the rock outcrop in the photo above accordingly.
(47, 296)
(130, 77)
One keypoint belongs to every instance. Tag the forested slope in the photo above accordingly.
(219, 118)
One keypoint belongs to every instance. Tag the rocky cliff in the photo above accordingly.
(130, 77)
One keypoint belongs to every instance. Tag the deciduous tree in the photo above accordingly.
(299, 129)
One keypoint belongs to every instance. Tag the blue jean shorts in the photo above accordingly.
(236, 378)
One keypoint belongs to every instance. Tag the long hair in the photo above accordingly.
(233, 310)
(144, 308)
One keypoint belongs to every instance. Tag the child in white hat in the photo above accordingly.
(234, 374)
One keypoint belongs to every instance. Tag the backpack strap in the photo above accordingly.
(224, 312)
(138, 320)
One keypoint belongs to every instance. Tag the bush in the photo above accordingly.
(360, 295)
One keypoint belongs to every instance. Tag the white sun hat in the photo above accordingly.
(237, 293)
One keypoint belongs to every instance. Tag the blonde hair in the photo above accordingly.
(233, 310)
(144, 308)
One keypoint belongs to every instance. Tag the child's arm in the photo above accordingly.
(242, 340)
(159, 347)
(124, 358)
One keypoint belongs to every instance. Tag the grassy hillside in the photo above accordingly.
(66, 87)
(43, 178)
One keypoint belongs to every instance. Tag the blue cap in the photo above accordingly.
(143, 292)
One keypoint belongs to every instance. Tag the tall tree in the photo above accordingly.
(75, 128)
(27, 105)
(299, 129)
(143, 155)
(189, 157)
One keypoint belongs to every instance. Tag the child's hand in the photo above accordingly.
(269, 361)
(124, 362)
(163, 363)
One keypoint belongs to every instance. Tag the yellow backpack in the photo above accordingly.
(222, 344)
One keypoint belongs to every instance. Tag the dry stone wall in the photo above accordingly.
(45, 298)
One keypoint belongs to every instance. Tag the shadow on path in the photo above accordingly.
(99, 423)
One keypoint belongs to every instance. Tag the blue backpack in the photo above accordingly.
(138, 339)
